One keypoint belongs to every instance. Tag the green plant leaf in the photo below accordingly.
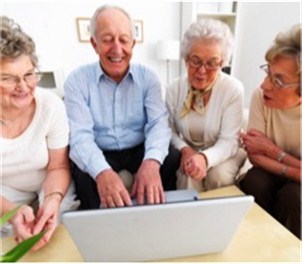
(20, 250)
(8, 215)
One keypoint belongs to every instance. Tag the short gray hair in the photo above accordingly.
(287, 44)
(14, 42)
(209, 29)
(103, 8)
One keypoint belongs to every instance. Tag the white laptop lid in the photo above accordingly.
(157, 232)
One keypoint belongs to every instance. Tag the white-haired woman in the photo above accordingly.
(206, 109)
(33, 138)
(273, 139)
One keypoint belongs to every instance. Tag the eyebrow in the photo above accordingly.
(213, 58)
(8, 74)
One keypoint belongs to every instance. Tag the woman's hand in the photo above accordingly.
(255, 142)
(186, 153)
(196, 166)
(47, 219)
(23, 223)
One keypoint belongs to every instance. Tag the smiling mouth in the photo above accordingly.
(20, 96)
(115, 60)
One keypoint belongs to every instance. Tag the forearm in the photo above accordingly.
(221, 151)
(57, 180)
(158, 136)
(88, 157)
(276, 167)
(288, 159)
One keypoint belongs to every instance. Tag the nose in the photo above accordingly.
(117, 47)
(202, 68)
(22, 85)
(266, 84)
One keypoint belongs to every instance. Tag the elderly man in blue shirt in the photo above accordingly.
(118, 121)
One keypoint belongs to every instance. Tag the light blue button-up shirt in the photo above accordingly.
(105, 115)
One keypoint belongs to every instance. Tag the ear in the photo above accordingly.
(134, 42)
(93, 43)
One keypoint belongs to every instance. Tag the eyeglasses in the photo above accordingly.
(210, 65)
(10, 81)
(275, 80)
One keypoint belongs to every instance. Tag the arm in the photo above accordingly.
(229, 118)
(263, 153)
(55, 187)
(83, 148)
(172, 97)
(157, 140)
(227, 121)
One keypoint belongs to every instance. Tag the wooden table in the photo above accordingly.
(259, 238)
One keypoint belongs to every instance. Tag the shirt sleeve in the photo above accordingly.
(83, 148)
(58, 134)
(231, 114)
(171, 97)
(256, 113)
(157, 131)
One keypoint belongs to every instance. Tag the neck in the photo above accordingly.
(9, 116)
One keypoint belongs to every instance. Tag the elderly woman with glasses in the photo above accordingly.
(274, 133)
(34, 138)
(206, 109)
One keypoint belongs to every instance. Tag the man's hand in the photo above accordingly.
(111, 189)
(148, 183)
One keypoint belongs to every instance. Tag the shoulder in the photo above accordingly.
(178, 84)
(231, 81)
(256, 99)
(47, 100)
(86, 71)
(256, 96)
(142, 73)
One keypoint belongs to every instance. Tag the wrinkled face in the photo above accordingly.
(113, 43)
(203, 63)
(284, 69)
(17, 83)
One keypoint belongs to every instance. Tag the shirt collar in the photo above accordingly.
(99, 73)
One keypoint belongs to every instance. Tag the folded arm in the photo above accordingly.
(262, 152)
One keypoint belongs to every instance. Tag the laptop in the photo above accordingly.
(181, 227)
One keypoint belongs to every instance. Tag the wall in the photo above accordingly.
(52, 24)
(257, 26)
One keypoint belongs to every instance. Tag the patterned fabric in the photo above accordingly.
(194, 99)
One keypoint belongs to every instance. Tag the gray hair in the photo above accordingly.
(94, 18)
(14, 42)
(209, 29)
(287, 44)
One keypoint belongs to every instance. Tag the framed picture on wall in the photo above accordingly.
(138, 31)
(83, 29)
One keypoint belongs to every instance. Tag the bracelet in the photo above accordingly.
(281, 156)
(54, 193)
(284, 170)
